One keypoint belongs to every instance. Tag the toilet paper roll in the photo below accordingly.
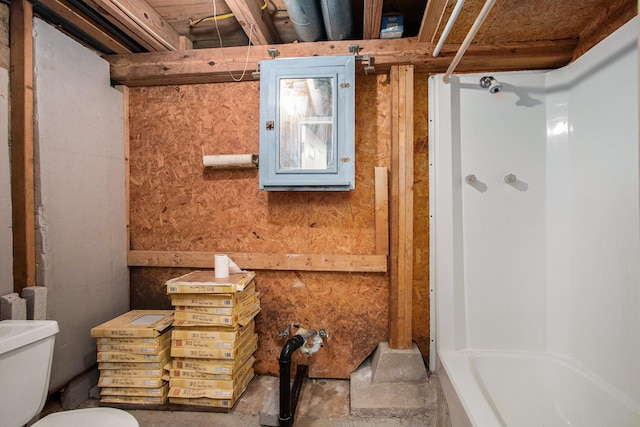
(233, 267)
(221, 269)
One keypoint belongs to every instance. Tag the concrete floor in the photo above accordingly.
(322, 403)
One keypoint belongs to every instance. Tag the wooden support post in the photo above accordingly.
(22, 178)
(401, 265)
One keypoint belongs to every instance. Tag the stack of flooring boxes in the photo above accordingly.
(213, 339)
(132, 352)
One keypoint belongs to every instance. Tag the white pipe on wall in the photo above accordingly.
(467, 40)
(447, 28)
(225, 161)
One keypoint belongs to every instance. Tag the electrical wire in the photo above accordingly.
(215, 17)
(226, 63)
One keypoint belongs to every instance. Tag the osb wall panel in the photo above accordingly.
(352, 308)
(178, 205)
(420, 302)
(521, 21)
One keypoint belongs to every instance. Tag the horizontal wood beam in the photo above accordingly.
(212, 65)
(258, 261)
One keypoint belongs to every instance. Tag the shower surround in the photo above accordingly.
(536, 242)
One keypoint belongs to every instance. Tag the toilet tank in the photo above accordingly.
(26, 351)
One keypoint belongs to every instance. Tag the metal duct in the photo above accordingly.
(338, 21)
(306, 17)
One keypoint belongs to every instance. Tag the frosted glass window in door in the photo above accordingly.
(306, 124)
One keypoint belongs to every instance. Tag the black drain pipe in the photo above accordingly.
(286, 410)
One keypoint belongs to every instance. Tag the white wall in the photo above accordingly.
(80, 195)
(593, 212)
(504, 225)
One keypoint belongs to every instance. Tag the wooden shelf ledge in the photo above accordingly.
(259, 261)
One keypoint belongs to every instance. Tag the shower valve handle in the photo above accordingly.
(510, 179)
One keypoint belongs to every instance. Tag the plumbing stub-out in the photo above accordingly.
(313, 338)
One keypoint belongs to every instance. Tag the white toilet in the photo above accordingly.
(26, 352)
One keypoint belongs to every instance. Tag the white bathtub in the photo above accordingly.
(531, 390)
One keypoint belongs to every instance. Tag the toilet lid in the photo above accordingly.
(94, 417)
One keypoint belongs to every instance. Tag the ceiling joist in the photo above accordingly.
(141, 22)
(433, 14)
(372, 19)
(254, 21)
(70, 14)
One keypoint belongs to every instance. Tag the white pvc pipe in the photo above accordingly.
(447, 28)
(467, 40)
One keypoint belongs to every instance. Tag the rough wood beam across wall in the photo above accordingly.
(401, 223)
(75, 17)
(22, 177)
(431, 19)
(257, 261)
(372, 19)
(139, 21)
(211, 65)
(255, 21)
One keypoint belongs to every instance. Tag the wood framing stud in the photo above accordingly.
(382, 210)
(22, 178)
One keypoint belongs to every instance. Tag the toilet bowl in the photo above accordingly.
(91, 417)
(26, 352)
